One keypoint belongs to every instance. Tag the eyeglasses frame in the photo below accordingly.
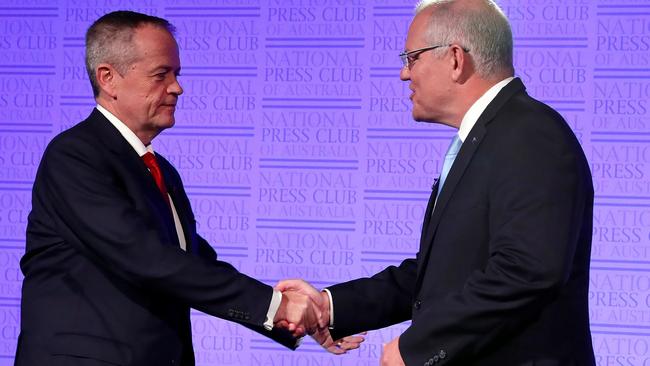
(409, 57)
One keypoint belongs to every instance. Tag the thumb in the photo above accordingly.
(292, 284)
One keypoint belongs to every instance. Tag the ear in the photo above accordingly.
(106, 77)
(461, 64)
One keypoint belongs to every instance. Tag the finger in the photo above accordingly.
(299, 286)
(348, 346)
(292, 284)
(299, 332)
(323, 322)
(341, 346)
(354, 339)
(282, 324)
(336, 350)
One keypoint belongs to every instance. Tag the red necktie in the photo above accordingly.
(151, 163)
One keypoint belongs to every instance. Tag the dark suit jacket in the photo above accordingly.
(105, 279)
(501, 277)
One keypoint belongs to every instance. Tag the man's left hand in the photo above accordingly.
(338, 347)
(391, 356)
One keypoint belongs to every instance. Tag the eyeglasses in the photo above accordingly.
(408, 58)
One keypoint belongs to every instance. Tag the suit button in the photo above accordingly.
(417, 304)
(442, 354)
(436, 358)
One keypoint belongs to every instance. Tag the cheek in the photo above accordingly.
(428, 89)
(152, 101)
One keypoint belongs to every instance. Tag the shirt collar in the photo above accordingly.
(475, 111)
(126, 132)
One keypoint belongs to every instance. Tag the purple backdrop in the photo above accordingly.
(296, 145)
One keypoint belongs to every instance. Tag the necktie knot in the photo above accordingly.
(150, 160)
(151, 163)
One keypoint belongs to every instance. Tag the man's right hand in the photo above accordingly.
(322, 301)
(318, 298)
(297, 313)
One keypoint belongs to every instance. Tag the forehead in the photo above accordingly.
(416, 36)
(155, 44)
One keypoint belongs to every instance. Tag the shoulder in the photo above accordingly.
(523, 119)
(526, 134)
(83, 139)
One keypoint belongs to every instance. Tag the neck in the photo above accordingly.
(146, 136)
(469, 92)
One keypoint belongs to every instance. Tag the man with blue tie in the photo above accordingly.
(113, 261)
(502, 273)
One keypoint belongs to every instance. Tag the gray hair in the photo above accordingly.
(483, 29)
(109, 40)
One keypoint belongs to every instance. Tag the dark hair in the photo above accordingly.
(108, 40)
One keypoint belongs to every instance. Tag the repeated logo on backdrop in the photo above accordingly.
(295, 141)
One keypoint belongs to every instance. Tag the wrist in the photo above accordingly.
(325, 308)
(280, 314)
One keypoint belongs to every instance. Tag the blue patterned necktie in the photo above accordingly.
(452, 151)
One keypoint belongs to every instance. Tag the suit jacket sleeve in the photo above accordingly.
(376, 302)
(92, 209)
(280, 335)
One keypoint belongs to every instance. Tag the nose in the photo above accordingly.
(405, 73)
(175, 87)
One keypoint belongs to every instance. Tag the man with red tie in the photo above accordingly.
(113, 261)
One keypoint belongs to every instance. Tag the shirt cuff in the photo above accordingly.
(329, 296)
(276, 299)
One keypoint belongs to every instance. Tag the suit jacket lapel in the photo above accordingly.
(463, 159)
(112, 140)
(179, 199)
(429, 211)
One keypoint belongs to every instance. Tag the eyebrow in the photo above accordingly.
(165, 68)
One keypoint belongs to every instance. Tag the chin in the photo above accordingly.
(418, 117)
(169, 120)
(166, 124)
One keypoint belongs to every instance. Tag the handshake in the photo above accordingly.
(305, 310)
